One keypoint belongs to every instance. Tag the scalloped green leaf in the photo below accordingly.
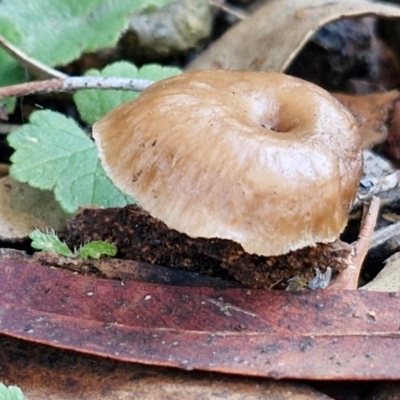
(97, 249)
(52, 152)
(10, 392)
(57, 32)
(49, 242)
(94, 104)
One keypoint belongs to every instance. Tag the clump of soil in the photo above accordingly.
(143, 238)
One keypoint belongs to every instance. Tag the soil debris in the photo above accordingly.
(140, 237)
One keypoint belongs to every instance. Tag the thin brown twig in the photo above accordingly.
(348, 279)
(72, 84)
(384, 234)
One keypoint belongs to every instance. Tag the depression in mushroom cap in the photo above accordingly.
(261, 158)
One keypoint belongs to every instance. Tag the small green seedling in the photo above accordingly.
(97, 249)
(49, 241)
(10, 392)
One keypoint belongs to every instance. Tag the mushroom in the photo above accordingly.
(263, 159)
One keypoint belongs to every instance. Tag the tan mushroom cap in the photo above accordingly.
(267, 160)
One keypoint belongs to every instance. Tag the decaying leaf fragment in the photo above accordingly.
(394, 133)
(271, 38)
(179, 26)
(379, 178)
(371, 112)
(23, 208)
(388, 280)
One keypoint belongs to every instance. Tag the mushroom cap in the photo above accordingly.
(261, 158)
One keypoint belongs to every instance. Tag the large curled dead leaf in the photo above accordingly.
(310, 335)
(271, 38)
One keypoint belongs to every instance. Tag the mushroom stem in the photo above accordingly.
(348, 279)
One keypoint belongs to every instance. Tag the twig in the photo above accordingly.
(348, 279)
(384, 234)
(71, 84)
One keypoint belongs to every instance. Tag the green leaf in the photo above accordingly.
(146, 3)
(151, 4)
(10, 74)
(53, 153)
(94, 104)
(10, 392)
(49, 242)
(10, 71)
(57, 32)
(97, 249)
(156, 72)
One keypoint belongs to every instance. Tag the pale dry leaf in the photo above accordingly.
(273, 36)
(388, 280)
(375, 166)
(174, 29)
(23, 209)
(379, 178)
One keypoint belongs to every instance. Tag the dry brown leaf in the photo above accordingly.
(349, 334)
(23, 208)
(271, 38)
(47, 373)
(393, 148)
(371, 112)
